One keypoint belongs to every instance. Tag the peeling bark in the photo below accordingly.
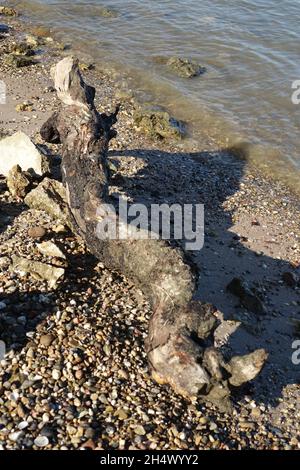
(180, 340)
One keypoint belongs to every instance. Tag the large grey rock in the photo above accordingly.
(50, 196)
(18, 149)
(246, 368)
(38, 270)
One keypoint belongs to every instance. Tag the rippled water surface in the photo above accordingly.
(251, 49)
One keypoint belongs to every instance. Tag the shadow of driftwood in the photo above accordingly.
(210, 179)
(199, 178)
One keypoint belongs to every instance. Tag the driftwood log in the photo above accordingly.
(180, 344)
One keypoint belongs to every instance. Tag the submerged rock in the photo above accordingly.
(159, 124)
(18, 149)
(50, 196)
(248, 298)
(18, 182)
(185, 68)
(38, 270)
(108, 12)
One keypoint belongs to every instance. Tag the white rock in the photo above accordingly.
(14, 396)
(41, 441)
(55, 374)
(18, 149)
(23, 425)
(14, 436)
(50, 249)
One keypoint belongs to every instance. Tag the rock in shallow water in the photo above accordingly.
(159, 124)
(185, 68)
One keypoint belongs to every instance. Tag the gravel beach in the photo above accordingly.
(75, 373)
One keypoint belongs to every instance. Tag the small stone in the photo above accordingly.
(203, 420)
(45, 418)
(46, 340)
(37, 232)
(107, 349)
(256, 413)
(23, 425)
(213, 426)
(140, 430)
(121, 414)
(41, 441)
(14, 436)
(56, 374)
(18, 182)
(4, 262)
(79, 374)
(49, 248)
(89, 444)
(77, 402)
(22, 107)
(33, 41)
(247, 425)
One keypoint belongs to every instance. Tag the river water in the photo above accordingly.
(250, 48)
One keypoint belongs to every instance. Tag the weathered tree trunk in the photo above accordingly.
(180, 340)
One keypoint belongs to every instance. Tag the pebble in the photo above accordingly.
(23, 425)
(46, 340)
(56, 374)
(14, 436)
(140, 430)
(41, 441)
(37, 232)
